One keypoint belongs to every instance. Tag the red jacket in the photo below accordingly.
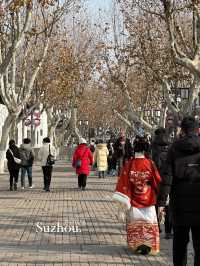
(83, 152)
(139, 180)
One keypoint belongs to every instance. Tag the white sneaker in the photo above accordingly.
(31, 186)
(22, 187)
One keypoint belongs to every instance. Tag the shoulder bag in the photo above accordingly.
(16, 160)
(78, 162)
(50, 158)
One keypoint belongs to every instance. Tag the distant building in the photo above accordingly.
(34, 127)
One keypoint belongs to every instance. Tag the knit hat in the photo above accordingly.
(189, 123)
(82, 141)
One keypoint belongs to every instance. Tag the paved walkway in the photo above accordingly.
(93, 236)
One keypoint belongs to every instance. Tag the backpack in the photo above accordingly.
(26, 157)
(188, 168)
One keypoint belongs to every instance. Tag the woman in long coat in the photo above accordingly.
(13, 167)
(101, 158)
(137, 187)
(83, 155)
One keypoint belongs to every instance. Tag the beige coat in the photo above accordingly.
(100, 157)
(44, 152)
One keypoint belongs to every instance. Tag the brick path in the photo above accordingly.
(102, 240)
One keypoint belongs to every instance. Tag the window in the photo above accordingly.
(184, 92)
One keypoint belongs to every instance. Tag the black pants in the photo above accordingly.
(180, 242)
(47, 173)
(101, 174)
(168, 220)
(82, 178)
(14, 173)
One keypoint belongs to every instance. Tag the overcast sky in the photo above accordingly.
(95, 5)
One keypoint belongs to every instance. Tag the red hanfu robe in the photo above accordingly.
(139, 181)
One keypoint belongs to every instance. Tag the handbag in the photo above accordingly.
(50, 158)
(78, 162)
(16, 160)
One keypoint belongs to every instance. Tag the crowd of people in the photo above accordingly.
(158, 180)
(167, 181)
(21, 159)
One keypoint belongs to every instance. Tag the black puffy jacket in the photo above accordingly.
(184, 192)
(12, 165)
(159, 148)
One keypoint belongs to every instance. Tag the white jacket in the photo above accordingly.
(44, 152)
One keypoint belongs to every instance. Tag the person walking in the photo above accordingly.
(13, 163)
(137, 190)
(92, 146)
(101, 158)
(160, 147)
(45, 152)
(82, 160)
(123, 150)
(181, 180)
(92, 149)
(111, 164)
(27, 157)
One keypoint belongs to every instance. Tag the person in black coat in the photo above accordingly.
(181, 179)
(160, 147)
(111, 158)
(13, 167)
(123, 151)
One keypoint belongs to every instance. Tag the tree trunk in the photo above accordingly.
(73, 123)
(13, 129)
(4, 138)
(163, 117)
(51, 133)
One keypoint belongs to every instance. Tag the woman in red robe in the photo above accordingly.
(137, 189)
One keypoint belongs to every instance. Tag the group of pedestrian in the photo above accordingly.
(157, 179)
(106, 158)
(22, 159)
(170, 181)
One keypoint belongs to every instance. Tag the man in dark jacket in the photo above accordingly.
(160, 146)
(181, 179)
(27, 157)
(123, 150)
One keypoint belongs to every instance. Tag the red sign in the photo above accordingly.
(36, 122)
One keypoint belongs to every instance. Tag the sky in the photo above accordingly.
(95, 5)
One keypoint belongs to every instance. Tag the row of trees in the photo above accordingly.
(109, 72)
(148, 49)
(46, 57)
